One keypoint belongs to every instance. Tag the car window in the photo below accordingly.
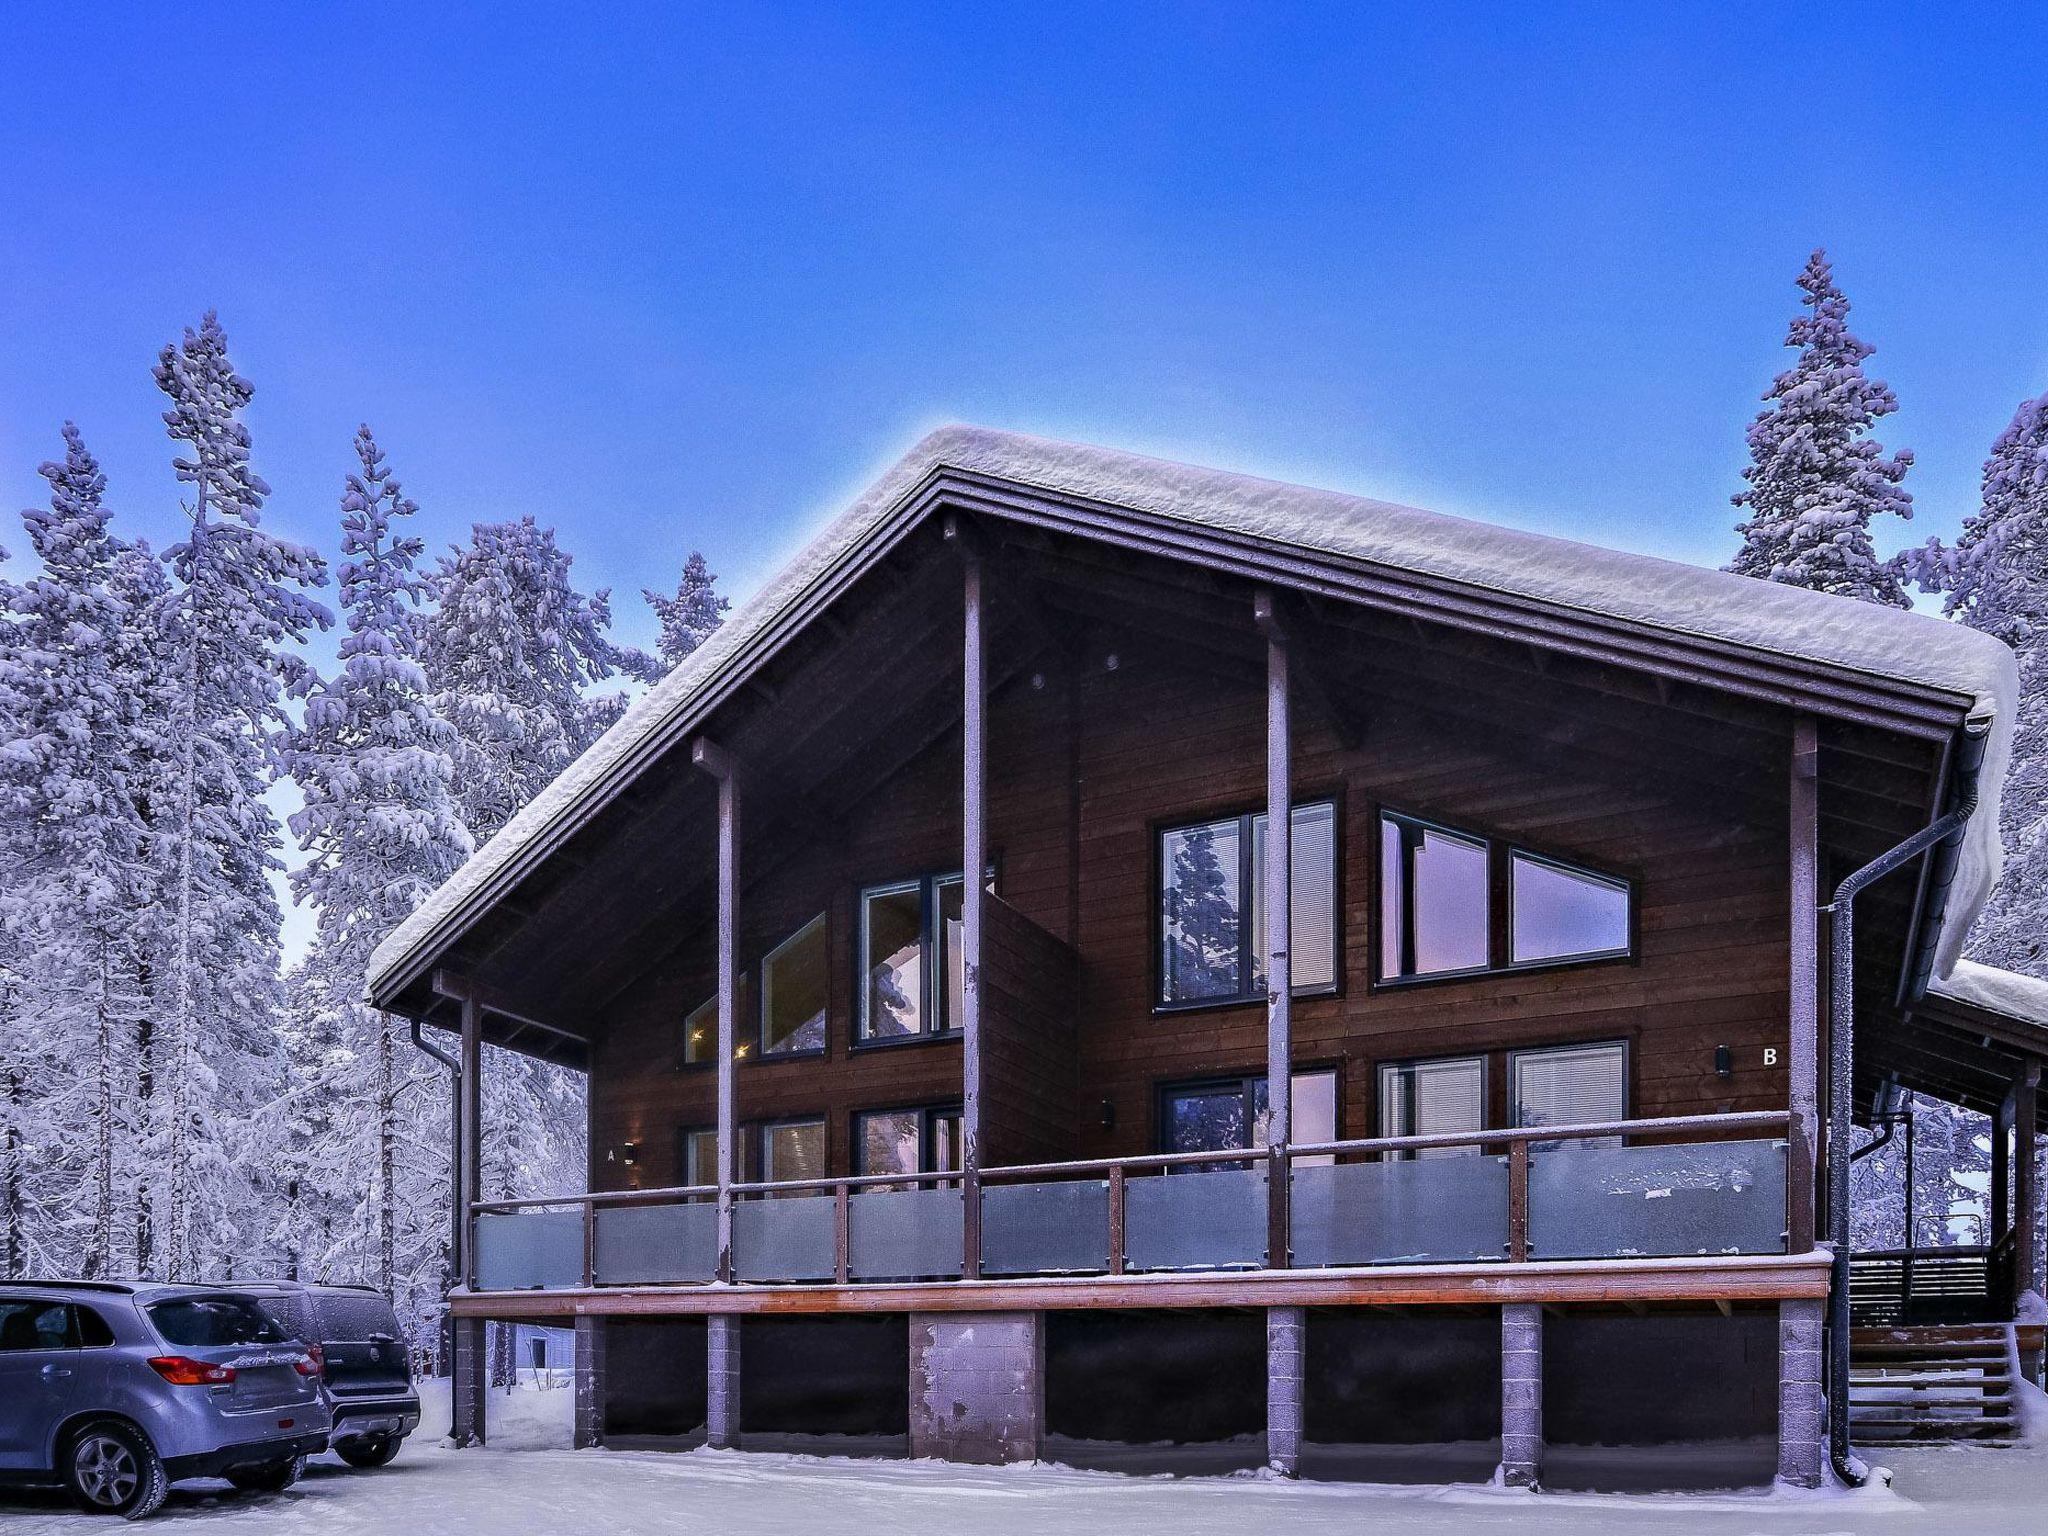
(35, 1325)
(351, 1319)
(198, 1321)
(93, 1332)
(293, 1313)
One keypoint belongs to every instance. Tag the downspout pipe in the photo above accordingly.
(1945, 831)
(455, 1265)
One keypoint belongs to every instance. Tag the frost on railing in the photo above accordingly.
(1055, 1228)
(1212, 1219)
(656, 1244)
(529, 1250)
(1440, 1210)
(1604, 1202)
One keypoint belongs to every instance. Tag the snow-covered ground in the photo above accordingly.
(529, 1484)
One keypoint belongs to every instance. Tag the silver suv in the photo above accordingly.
(117, 1390)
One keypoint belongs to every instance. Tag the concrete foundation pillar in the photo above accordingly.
(977, 1386)
(1286, 1352)
(1521, 1395)
(722, 1382)
(1802, 1406)
(470, 1383)
(589, 1382)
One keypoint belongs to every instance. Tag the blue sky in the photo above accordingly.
(685, 275)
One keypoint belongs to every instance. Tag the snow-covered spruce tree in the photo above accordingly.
(381, 829)
(234, 605)
(511, 653)
(1816, 478)
(1995, 578)
(78, 850)
(688, 618)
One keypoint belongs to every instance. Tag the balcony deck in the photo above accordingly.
(1618, 1211)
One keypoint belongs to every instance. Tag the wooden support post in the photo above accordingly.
(470, 1153)
(713, 760)
(1117, 1248)
(2003, 1154)
(973, 889)
(1278, 897)
(1803, 1055)
(1518, 1201)
(2026, 1221)
(842, 1234)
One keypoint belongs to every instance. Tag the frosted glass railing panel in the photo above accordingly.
(906, 1234)
(529, 1250)
(656, 1244)
(783, 1239)
(1437, 1210)
(1657, 1202)
(1058, 1228)
(1215, 1219)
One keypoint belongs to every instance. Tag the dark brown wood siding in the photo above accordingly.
(1088, 762)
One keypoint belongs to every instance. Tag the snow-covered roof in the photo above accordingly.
(2024, 998)
(1685, 600)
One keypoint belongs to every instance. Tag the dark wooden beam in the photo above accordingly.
(973, 888)
(1803, 1065)
(1278, 898)
(714, 760)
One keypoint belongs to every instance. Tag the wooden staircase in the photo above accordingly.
(1913, 1385)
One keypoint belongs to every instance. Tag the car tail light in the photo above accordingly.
(311, 1362)
(183, 1371)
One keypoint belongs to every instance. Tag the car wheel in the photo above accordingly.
(268, 1476)
(112, 1469)
(368, 1450)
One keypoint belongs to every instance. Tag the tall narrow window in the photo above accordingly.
(793, 992)
(1561, 913)
(1433, 900)
(1433, 1098)
(1570, 1085)
(1212, 926)
(793, 1149)
(912, 963)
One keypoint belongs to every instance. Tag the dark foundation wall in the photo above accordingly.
(654, 1377)
(1377, 1379)
(1659, 1379)
(1145, 1377)
(825, 1375)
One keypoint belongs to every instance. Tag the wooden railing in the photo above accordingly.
(1614, 1203)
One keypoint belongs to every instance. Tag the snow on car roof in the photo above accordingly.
(1863, 638)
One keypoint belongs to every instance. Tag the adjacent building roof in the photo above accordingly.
(2022, 999)
(1372, 541)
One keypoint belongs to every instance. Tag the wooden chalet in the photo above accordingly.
(1108, 952)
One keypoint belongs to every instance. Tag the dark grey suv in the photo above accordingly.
(117, 1390)
(365, 1364)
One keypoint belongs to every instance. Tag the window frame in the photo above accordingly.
(931, 960)
(1621, 1043)
(1501, 852)
(927, 1113)
(1380, 1069)
(1163, 1093)
(762, 1128)
(823, 921)
(1248, 995)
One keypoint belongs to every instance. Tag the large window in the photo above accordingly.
(774, 1150)
(700, 1027)
(1553, 1085)
(924, 1140)
(912, 981)
(1231, 1113)
(793, 991)
(1433, 1098)
(1452, 903)
(1212, 921)
(1569, 1085)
